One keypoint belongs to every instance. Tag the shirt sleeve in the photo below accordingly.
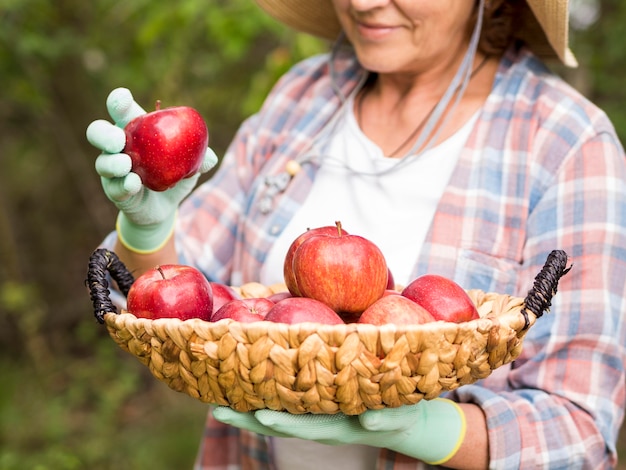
(560, 404)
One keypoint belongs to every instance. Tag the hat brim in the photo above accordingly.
(547, 30)
(313, 17)
(544, 24)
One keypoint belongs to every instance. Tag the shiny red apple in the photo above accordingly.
(391, 283)
(302, 309)
(171, 291)
(244, 310)
(278, 296)
(346, 272)
(166, 145)
(222, 294)
(290, 279)
(442, 297)
(391, 292)
(397, 310)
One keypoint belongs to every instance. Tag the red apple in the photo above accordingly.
(278, 296)
(302, 309)
(395, 309)
(391, 292)
(171, 291)
(290, 279)
(442, 297)
(391, 283)
(346, 272)
(222, 294)
(166, 145)
(244, 310)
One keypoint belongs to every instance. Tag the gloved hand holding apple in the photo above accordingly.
(149, 163)
(431, 430)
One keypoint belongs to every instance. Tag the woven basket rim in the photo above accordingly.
(481, 323)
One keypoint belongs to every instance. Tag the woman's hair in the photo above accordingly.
(499, 28)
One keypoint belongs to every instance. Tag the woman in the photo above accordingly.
(433, 129)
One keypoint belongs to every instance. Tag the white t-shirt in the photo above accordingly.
(393, 209)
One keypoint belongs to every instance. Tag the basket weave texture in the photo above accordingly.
(313, 368)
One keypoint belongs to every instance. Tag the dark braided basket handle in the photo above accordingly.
(101, 263)
(539, 297)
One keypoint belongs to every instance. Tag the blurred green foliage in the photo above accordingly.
(70, 398)
(603, 54)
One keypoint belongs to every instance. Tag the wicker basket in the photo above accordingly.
(313, 368)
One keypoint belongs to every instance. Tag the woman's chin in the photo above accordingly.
(380, 62)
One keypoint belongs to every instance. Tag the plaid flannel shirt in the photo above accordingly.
(542, 170)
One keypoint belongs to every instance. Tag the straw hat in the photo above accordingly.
(545, 23)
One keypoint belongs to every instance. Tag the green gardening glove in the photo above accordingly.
(146, 218)
(431, 431)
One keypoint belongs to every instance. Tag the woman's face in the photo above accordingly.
(406, 36)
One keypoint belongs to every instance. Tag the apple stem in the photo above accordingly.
(157, 105)
(161, 272)
(338, 224)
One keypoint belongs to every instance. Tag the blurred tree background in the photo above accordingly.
(70, 399)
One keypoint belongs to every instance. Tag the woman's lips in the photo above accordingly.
(374, 31)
